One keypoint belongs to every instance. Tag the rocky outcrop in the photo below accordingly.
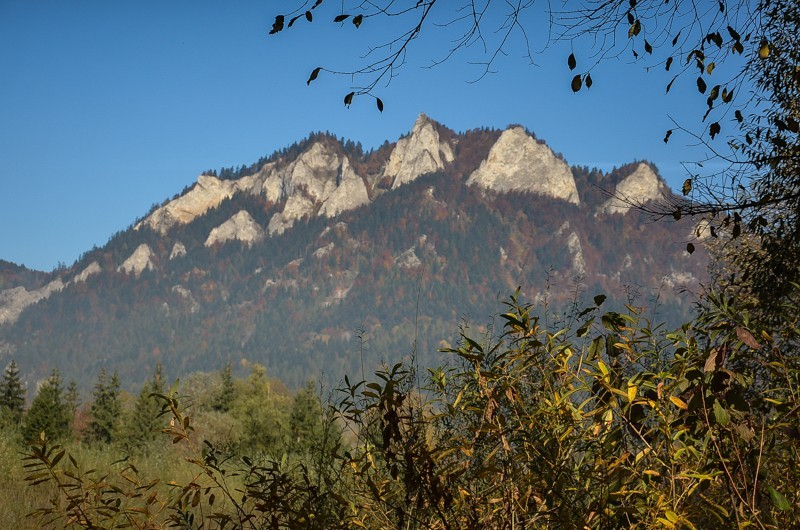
(208, 193)
(408, 259)
(139, 261)
(574, 247)
(348, 195)
(240, 227)
(641, 186)
(419, 153)
(517, 162)
(92, 268)
(14, 301)
(297, 207)
(178, 251)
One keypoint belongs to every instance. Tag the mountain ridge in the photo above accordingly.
(323, 230)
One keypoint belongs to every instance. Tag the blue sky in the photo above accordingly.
(109, 107)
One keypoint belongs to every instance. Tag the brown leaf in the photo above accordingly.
(711, 362)
(747, 337)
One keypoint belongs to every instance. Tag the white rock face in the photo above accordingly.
(14, 301)
(408, 259)
(194, 307)
(178, 251)
(350, 194)
(92, 268)
(420, 153)
(639, 187)
(574, 247)
(140, 260)
(241, 226)
(208, 193)
(518, 162)
(297, 207)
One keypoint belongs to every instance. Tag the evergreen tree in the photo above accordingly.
(105, 409)
(143, 423)
(12, 395)
(48, 412)
(224, 397)
(305, 420)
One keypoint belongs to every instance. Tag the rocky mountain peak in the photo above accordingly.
(241, 226)
(139, 261)
(517, 162)
(419, 153)
(639, 187)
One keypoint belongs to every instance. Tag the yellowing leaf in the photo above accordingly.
(632, 392)
(763, 51)
(678, 402)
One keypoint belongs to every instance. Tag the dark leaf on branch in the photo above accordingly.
(379, 103)
(648, 48)
(701, 85)
(588, 81)
(686, 189)
(571, 62)
(714, 129)
(309, 16)
(341, 18)
(675, 40)
(666, 136)
(689, 248)
(669, 63)
(576, 83)
(277, 25)
(739, 116)
(348, 99)
(357, 20)
(314, 74)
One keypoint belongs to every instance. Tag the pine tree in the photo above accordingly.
(224, 397)
(306, 421)
(48, 412)
(12, 395)
(143, 424)
(105, 410)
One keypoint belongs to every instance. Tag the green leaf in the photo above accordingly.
(571, 62)
(576, 83)
(722, 416)
(778, 500)
(314, 74)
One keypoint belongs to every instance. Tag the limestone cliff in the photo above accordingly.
(517, 162)
(139, 261)
(241, 227)
(420, 153)
(349, 194)
(13, 301)
(207, 193)
(639, 187)
(92, 268)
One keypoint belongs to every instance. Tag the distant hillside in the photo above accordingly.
(323, 255)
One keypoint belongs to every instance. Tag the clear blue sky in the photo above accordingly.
(109, 107)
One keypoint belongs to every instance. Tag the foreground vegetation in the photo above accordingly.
(608, 422)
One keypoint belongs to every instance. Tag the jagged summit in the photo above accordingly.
(419, 153)
(240, 227)
(517, 162)
(641, 186)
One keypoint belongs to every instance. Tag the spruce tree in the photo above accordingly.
(305, 420)
(105, 410)
(48, 412)
(224, 397)
(12, 395)
(143, 425)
